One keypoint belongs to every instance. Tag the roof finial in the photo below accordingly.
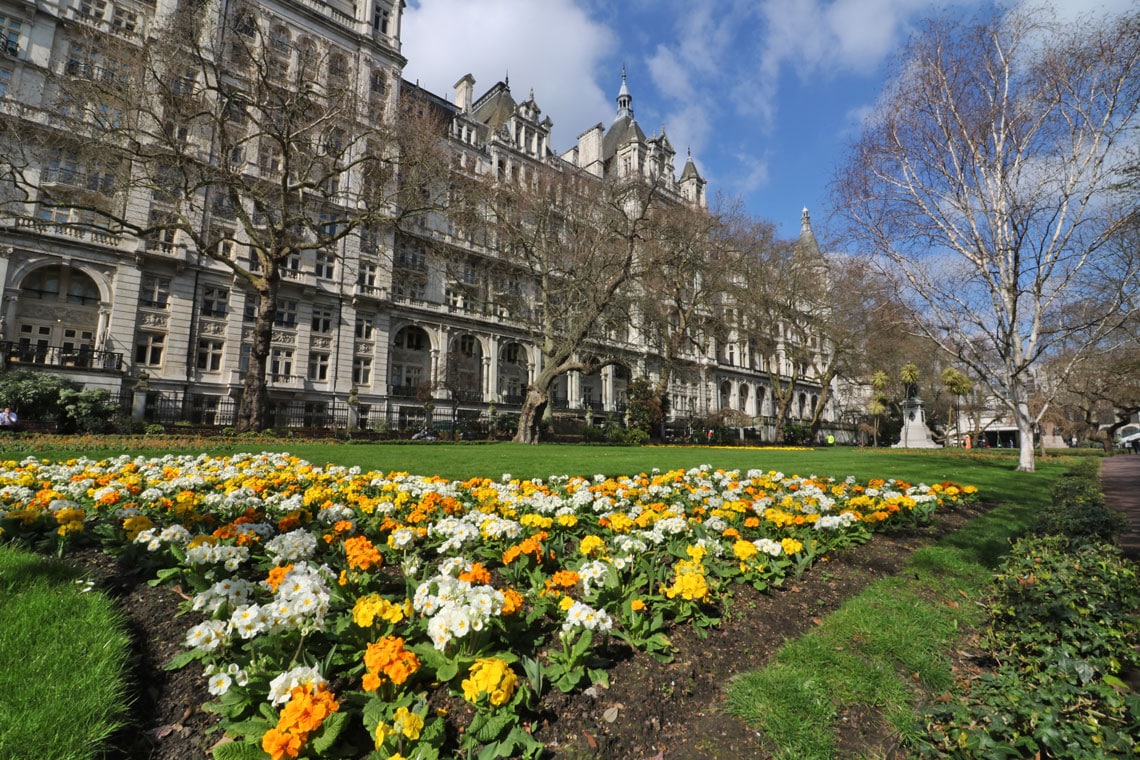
(624, 99)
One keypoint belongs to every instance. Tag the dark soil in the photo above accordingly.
(651, 710)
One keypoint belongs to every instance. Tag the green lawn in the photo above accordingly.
(867, 652)
(886, 650)
(64, 653)
(463, 460)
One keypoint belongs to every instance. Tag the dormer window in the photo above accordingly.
(381, 20)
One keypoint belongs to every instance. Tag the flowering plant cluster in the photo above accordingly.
(334, 604)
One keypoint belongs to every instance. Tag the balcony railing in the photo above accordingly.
(15, 353)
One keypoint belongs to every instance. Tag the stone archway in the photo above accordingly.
(465, 368)
(513, 373)
(55, 317)
(409, 362)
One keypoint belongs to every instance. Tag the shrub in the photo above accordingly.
(89, 411)
(1063, 619)
(1078, 509)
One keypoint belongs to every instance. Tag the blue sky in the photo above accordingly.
(766, 93)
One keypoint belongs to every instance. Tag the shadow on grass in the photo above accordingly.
(19, 570)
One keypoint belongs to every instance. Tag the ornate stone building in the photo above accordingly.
(390, 321)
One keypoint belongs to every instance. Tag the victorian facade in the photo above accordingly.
(395, 322)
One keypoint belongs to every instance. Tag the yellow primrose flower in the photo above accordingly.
(744, 550)
(408, 723)
(492, 677)
(592, 544)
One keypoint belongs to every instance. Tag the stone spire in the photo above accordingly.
(624, 99)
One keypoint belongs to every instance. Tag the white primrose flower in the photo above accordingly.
(294, 546)
(247, 621)
(581, 615)
(769, 547)
(206, 636)
(834, 522)
(219, 683)
(281, 687)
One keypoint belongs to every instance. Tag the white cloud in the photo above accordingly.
(553, 47)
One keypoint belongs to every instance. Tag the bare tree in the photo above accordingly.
(984, 177)
(572, 241)
(686, 266)
(778, 296)
(222, 135)
(860, 320)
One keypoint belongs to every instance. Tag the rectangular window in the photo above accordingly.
(93, 9)
(286, 314)
(10, 34)
(326, 265)
(380, 20)
(215, 301)
(364, 325)
(154, 291)
(62, 167)
(411, 256)
(50, 215)
(406, 376)
(292, 262)
(124, 21)
(244, 357)
(411, 290)
(318, 367)
(5, 82)
(367, 274)
(412, 340)
(269, 160)
(249, 310)
(322, 320)
(362, 370)
(281, 363)
(148, 349)
(210, 355)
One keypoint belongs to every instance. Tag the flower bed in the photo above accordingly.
(343, 610)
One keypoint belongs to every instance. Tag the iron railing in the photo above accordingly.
(16, 353)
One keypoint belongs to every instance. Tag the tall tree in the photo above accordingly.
(686, 265)
(572, 241)
(985, 178)
(223, 136)
(778, 296)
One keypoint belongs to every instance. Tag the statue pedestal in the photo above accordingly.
(915, 434)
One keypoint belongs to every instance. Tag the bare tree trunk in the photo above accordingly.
(254, 397)
(1025, 459)
(780, 422)
(530, 418)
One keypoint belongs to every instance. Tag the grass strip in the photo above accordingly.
(458, 461)
(875, 656)
(63, 655)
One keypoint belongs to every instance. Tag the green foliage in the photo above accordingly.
(797, 433)
(87, 411)
(1079, 512)
(626, 436)
(43, 396)
(1063, 623)
(645, 411)
(33, 394)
